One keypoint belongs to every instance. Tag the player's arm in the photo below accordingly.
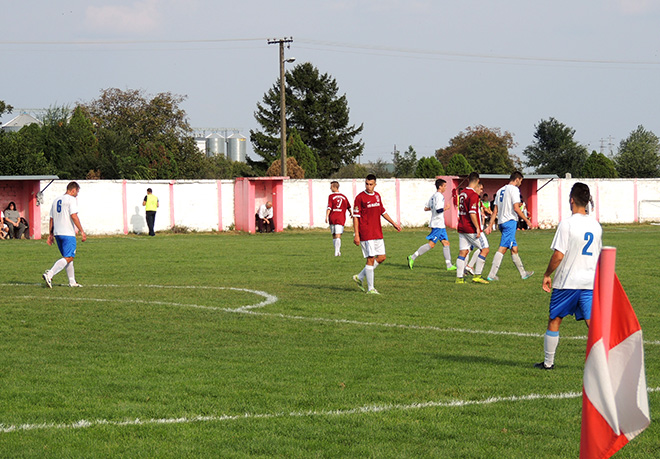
(492, 220)
(356, 230)
(327, 214)
(555, 260)
(76, 221)
(392, 222)
(474, 216)
(51, 236)
(516, 208)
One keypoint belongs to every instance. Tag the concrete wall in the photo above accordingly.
(115, 206)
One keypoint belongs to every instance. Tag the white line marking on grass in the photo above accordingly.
(369, 409)
(270, 299)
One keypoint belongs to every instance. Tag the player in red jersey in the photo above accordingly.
(469, 231)
(336, 215)
(367, 210)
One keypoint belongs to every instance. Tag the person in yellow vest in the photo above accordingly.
(150, 204)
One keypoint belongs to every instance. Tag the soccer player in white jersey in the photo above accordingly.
(62, 228)
(576, 246)
(436, 205)
(507, 211)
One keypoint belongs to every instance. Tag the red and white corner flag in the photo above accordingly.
(615, 406)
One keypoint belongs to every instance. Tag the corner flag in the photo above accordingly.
(615, 407)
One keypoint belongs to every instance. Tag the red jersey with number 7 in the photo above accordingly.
(338, 205)
(468, 204)
(368, 208)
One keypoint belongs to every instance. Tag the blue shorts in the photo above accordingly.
(437, 234)
(67, 245)
(565, 302)
(508, 230)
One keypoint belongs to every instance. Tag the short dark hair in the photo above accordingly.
(72, 186)
(149, 190)
(473, 176)
(485, 195)
(439, 182)
(371, 177)
(334, 182)
(580, 194)
(515, 176)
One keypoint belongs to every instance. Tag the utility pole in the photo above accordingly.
(281, 42)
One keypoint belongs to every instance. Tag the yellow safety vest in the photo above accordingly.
(152, 203)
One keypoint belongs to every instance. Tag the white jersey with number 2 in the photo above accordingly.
(579, 238)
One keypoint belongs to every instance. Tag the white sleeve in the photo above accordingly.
(560, 242)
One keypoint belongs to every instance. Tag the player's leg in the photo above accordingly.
(519, 264)
(507, 240)
(482, 244)
(473, 260)
(464, 245)
(432, 238)
(562, 303)
(497, 262)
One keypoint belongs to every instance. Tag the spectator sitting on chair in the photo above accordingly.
(13, 221)
(264, 218)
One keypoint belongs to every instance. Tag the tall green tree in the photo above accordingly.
(598, 165)
(404, 163)
(22, 153)
(317, 111)
(639, 155)
(555, 151)
(429, 168)
(486, 149)
(142, 136)
(304, 155)
(458, 165)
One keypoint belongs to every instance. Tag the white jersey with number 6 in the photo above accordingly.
(579, 238)
(63, 207)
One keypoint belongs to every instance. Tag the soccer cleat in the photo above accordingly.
(47, 279)
(479, 280)
(542, 366)
(411, 261)
(75, 284)
(373, 291)
(491, 279)
(528, 274)
(451, 268)
(460, 280)
(469, 270)
(357, 280)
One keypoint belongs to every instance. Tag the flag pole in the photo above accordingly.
(606, 270)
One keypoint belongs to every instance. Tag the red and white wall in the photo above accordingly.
(115, 206)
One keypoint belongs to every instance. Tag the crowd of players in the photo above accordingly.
(576, 245)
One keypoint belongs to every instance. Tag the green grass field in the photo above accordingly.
(171, 350)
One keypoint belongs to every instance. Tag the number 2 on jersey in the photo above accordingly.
(589, 237)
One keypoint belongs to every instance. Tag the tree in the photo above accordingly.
(379, 168)
(555, 151)
(458, 165)
(142, 137)
(316, 111)
(4, 107)
(486, 149)
(598, 165)
(22, 153)
(304, 155)
(354, 170)
(638, 155)
(292, 168)
(429, 168)
(406, 163)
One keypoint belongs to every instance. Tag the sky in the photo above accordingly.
(414, 72)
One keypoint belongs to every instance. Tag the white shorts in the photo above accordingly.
(467, 241)
(336, 229)
(372, 248)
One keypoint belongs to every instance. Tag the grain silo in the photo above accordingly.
(236, 147)
(215, 145)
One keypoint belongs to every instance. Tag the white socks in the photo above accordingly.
(460, 266)
(421, 251)
(447, 253)
(57, 267)
(479, 267)
(550, 343)
(518, 262)
(71, 273)
(369, 273)
(473, 260)
(497, 261)
(337, 243)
